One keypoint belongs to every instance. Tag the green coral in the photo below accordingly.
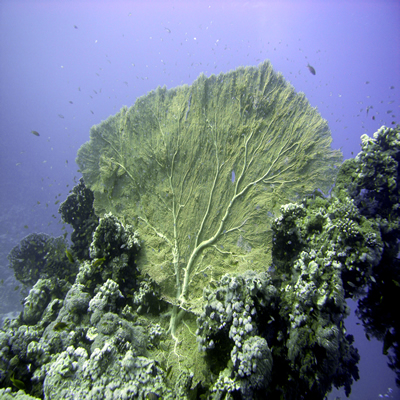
(201, 170)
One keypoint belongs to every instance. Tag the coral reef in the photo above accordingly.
(234, 312)
(372, 179)
(198, 227)
(84, 340)
(77, 210)
(40, 256)
(316, 245)
(260, 342)
(113, 252)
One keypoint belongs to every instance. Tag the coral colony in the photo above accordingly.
(206, 261)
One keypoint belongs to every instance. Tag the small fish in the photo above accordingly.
(17, 383)
(16, 288)
(61, 116)
(26, 227)
(98, 262)
(70, 102)
(311, 69)
(60, 326)
(91, 111)
(75, 27)
(69, 255)
(56, 202)
(373, 118)
(168, 30)
(36, 133)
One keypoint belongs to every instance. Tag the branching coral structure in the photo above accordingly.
(200, 172)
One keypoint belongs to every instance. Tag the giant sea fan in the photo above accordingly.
(201, 171)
